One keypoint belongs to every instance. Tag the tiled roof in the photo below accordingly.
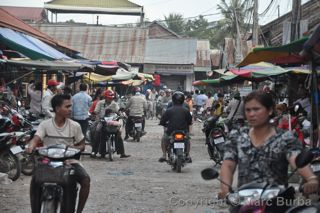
(34, 14)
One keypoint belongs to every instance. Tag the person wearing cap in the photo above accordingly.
(108, 104)
(81, 103)
(46, 99)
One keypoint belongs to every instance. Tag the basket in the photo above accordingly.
(47, 174)
(113, 126)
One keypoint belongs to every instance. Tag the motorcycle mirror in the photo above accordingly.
(209, 174)
(296, 108)
(304, 158)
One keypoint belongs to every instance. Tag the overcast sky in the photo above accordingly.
(157, 9)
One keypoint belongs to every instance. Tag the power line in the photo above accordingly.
(163, 20)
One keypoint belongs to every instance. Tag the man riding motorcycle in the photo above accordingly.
(100, 111)
(176, 117)
(137, 107)
(60, 130)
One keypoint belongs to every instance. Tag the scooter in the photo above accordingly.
(260, 196)
(215, 138)
(136, 129)
(58, 188)
(9, 162)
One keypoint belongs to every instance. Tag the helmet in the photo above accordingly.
(109, 94)
(178, 98)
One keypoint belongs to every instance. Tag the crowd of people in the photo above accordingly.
(257, 143)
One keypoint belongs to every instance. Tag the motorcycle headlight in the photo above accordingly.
(270, 193)
(249, 195)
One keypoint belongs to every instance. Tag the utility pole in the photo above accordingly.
(255, 39)
(239, 57)
(295, 20)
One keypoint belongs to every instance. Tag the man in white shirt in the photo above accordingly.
(35, 90)
(61, 130)
(47, 96)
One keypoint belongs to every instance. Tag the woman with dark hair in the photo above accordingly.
(262, 152)
(35, 90)
(97, 97)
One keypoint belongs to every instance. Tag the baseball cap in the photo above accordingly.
(52, 82)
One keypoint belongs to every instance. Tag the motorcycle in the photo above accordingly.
(215, 138)
(176, 150)
(58, 188)
(136, 128)
(111, 126)
(9, 162)
(261, 197)
(28, 161)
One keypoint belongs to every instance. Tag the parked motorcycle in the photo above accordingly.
(58, 188)
(9, 162)
(176, 150)
(260, 196)
(215, 138)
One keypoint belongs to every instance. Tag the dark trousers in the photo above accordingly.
(99, 142)
(84, 125)
(80, 176)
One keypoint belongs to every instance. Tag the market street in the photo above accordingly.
(139, 183)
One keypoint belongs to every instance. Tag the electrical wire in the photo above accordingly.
(267, 9)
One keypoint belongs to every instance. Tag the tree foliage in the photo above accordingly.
(234, 12)
(175, 22)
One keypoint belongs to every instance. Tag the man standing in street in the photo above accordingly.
(46, 99)
(81, 103)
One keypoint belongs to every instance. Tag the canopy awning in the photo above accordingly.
(258, 70)
(29, 46)
(285, 54)
(50, 65)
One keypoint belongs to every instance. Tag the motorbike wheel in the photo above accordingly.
(138, 136)
(179, 164)
(11, 165)
(28, 164)
(210, 151)
(48, 206)
(110, 151)
(217, 157)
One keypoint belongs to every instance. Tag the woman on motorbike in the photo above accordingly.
(262, 152)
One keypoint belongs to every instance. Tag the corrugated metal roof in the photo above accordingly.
(101, 42)
(9, 21)
(203, 54)
(95, 3)
(34, 14)
(171, 51)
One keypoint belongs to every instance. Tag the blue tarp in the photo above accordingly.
(29, 46)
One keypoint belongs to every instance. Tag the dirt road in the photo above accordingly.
(137, 184)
